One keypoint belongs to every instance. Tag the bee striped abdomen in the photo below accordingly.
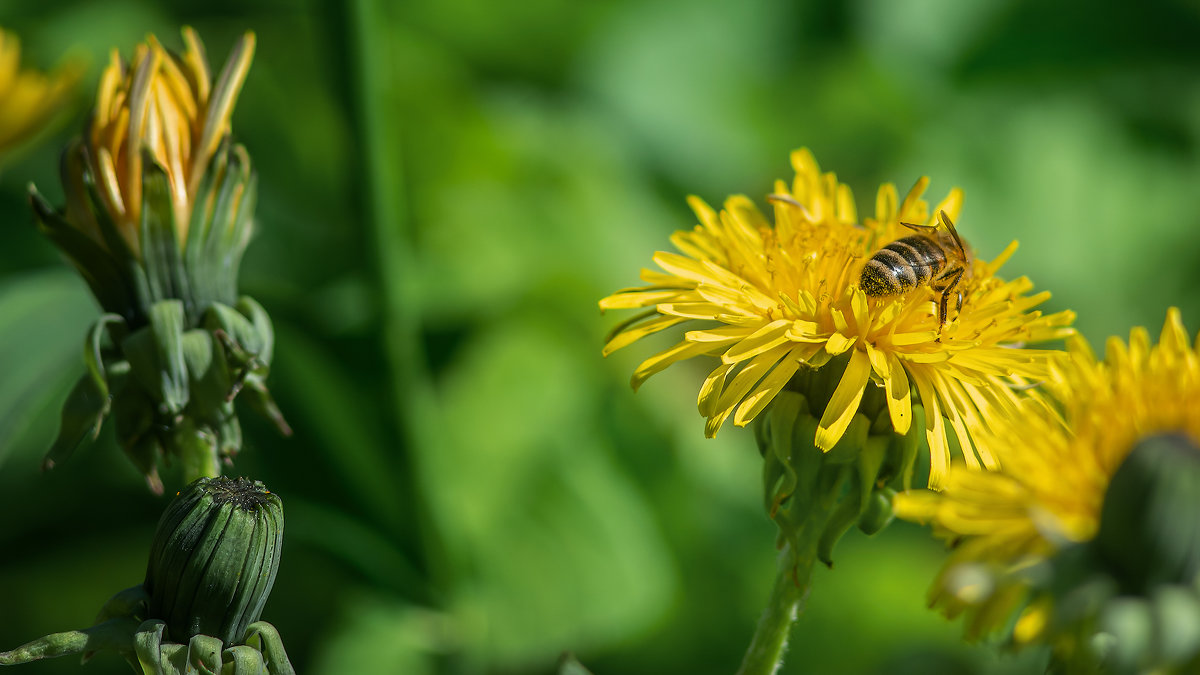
(901, 266)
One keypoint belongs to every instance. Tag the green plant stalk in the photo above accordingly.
(792, 583)
(793, 580)
(397, 264)
(112, 634)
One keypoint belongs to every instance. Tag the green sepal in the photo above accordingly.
(870, 460)
(905, 448)
(844, 516)
(134, 416)
(774, 435)
(147, 645)
(206, 369)
(260, 400)
(130, 602)
(263, 328)
(227, 429)
(863, 450)
(242, 341)
(108, 281)
(140, 298)
(221, 223)
(81, 417)
(262, 636)
(204, 655)
(161, 252)
(77, 162)
(878, 513)
(243, 660)
(848, 448)
(233, 220)
(197, 450)
(155, 353)
(89, 401)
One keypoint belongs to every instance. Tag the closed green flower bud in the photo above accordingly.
(214, 559)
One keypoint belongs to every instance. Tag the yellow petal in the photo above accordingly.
(634, 333)
(656, 363)
(935, 432)
(844, 402)
(770, 386)
(885, 203)
(699, 271)
(899, 397)
(764, 339)
(632, 298)
(839, 343)
(710, 391)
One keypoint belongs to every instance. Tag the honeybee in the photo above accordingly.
(935, 256)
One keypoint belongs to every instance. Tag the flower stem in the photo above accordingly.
(391, 237)
(792, 583)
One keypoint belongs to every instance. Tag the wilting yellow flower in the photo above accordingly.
(159, 211)
(1058, 458)
(28, 99)
(165, 105)
(771, 299)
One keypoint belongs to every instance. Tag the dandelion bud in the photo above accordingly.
(214, 559)
(159, 210)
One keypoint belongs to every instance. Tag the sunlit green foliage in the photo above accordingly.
(470, 487)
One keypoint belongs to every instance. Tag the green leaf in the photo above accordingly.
(41, 319)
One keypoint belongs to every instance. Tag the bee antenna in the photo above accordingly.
(777, 198)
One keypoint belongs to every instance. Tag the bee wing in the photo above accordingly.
(949, 225)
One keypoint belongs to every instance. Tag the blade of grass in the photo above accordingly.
(386, 210)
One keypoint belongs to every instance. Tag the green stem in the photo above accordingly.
(792, 583)
(112, 634)
(391, 238)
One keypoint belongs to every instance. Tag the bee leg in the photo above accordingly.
(952, 280)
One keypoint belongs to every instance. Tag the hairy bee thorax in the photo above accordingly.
(934, 257)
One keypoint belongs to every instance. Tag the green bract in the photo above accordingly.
(211, 568)
(176, 344)
(815, 496)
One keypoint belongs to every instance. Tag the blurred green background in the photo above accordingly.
(447, 188)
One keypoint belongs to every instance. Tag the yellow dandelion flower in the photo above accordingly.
(769, 299)
(164, 106)
(1059, 457)
(28, 99)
